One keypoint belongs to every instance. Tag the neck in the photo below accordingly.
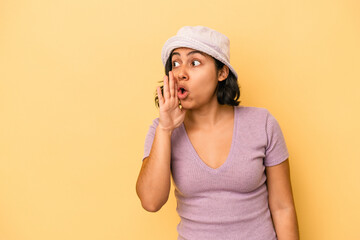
(209, 116)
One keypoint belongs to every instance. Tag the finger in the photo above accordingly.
(160, 97)
(175, 89)
(171, 84)
(166, 88)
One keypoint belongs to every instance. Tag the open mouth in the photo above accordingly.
(181, 90)
(182, 93)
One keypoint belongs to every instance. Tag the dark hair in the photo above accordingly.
(228, 91)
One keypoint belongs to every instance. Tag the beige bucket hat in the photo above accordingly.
(203, 39)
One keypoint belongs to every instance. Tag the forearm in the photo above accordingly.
(286, 225)
(153, 184)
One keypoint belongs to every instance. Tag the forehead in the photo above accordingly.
(184, 51)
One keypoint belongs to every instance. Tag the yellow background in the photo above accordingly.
(77, 84)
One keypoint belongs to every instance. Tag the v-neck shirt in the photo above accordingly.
(231, 201)
(196, 155)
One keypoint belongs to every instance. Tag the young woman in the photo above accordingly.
(229, 163)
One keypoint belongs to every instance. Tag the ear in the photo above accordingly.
(223, 73)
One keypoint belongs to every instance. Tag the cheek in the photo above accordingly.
(207, 82)
(204, 90)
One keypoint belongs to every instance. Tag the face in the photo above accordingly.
(197, 74)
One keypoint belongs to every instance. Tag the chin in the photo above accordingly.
(185, 106)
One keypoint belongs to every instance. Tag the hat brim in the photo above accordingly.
(183, 41)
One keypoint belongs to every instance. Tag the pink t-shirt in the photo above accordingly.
(230, 202)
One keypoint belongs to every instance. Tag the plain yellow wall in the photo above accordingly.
(77, 84)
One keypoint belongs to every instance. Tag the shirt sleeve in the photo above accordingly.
(276, 150)
(150, 138)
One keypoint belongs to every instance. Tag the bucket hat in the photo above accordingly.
(203, 39)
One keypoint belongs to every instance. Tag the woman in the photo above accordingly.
(229, 163)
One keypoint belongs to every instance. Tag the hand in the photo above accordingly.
(171, 116)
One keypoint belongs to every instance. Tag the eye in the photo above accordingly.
(175, 64)
(196, 63)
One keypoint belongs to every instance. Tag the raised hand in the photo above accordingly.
(171, 116)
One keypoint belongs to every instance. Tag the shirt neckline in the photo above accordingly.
(196, 155)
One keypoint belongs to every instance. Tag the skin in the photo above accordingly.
(281, 202)
(205, 120)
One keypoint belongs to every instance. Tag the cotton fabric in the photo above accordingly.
(200, 38)
(229, 202)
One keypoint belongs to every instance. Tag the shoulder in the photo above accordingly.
(155, 122)
(152, 127)
(249, 113)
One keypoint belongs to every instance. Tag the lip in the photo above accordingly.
(181, 95)
(181, 86)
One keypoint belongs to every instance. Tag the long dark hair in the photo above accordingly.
(228, 91)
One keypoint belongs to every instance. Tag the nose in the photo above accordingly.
(182, 73)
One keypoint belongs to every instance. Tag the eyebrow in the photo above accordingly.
(192, 52)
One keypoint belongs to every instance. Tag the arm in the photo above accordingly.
(281, 202)
(153, 184)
